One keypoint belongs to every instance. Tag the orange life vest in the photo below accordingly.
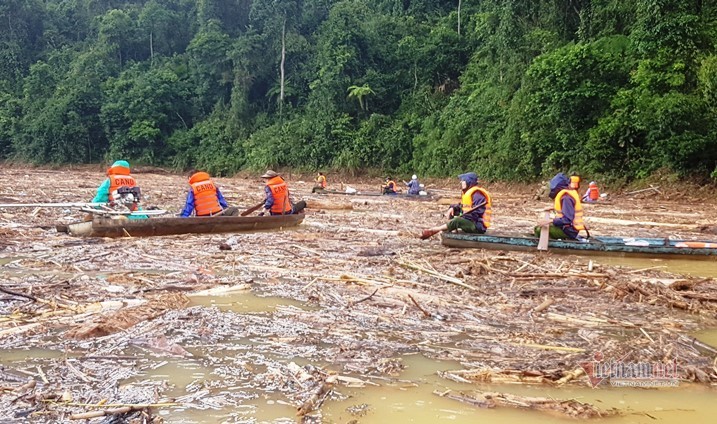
(390, 186)
(578, 223)
(280, 191)
(467, 204)
(321, 180)
(119, 177)
(206, 201)
(593, 192)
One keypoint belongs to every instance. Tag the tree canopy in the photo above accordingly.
(511, 89)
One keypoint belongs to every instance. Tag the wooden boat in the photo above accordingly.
(616, 246)
(374, 194)
(317, 190)
(108, 227)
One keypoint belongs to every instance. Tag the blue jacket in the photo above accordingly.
(269, 202)
(189, 204)
(414, 187)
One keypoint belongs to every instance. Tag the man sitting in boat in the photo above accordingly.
(389, 187)
(592, 194)
(414, 187)
(277, 200)
(568, 221)
(118, 175)
(205, 199)
(320, 181)
(474, 213)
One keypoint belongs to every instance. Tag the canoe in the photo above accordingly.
(615, 246)
(374, 194)
(336, 192)
(107, 227)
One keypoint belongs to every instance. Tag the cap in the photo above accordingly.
(270, 174)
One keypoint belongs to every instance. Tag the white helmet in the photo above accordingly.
(414, 177)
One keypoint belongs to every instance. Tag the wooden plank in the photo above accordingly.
(544, 234)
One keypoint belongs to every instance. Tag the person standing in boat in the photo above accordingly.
(118, 175)
(414, 187)
(568, 221)
(277, 201)
(320, 182)
(389, 187)
(204, 198)
(472, 215)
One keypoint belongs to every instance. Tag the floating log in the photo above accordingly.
(314, 204)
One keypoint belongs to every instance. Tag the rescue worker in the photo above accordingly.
(118, 175)
(277, 200)
(568, 221)
(320, 181)
(575, 182)
(389, 187)
(592, 194)
(414, 187)
(474, 213)
(204, 198)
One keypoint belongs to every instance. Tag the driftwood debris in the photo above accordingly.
(349, 291)
(329, 206)
(567, 408)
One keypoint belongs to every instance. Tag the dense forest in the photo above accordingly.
(512, 89)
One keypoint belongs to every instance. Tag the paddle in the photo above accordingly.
(544, 234)
(252, 209)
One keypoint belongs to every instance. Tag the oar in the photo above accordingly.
(252, 209)
(544, 234)
(51, 205)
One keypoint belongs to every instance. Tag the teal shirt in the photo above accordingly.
(103, 192)
(103, 196)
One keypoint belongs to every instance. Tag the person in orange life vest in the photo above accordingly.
(474, 213)
(204, 198)
(390, 187)
(592, 194)
(568, 221)
(320, 181)
(277, 200)
(118, 175)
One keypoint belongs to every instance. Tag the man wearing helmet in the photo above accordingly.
(414, 187)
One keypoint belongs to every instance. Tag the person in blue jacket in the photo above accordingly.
(568, 220)
(414, 187)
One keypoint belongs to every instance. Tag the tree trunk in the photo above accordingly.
(151, 50)
(415, 76)
(283, 61)
(459, 17)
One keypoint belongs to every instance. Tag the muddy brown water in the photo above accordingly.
(410, 397)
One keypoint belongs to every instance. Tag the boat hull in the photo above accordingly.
(612, 246)
(105, 227)
(388, 196)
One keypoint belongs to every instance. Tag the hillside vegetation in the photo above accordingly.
(511, 89)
